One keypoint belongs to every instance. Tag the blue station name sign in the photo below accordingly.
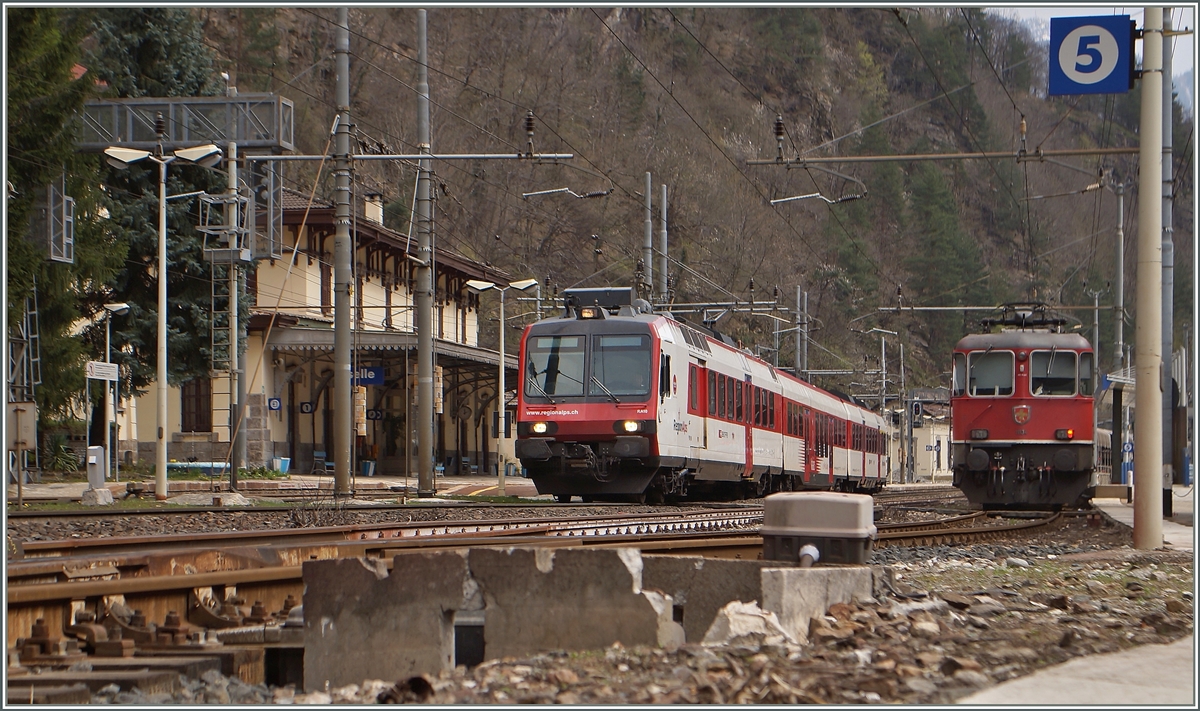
(1091, 55)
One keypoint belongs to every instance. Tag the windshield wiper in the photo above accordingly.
(529, 379)
(606, 390)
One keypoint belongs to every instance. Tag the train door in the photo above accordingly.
(745, 412)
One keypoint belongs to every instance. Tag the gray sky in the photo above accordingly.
(1182, 58)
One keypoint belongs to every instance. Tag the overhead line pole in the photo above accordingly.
(342, 256)
(1148, 455)
(1168, 273)
(424, 286)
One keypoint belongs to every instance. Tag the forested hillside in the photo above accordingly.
(691, 95)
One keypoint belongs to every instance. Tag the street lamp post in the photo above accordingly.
(111, 310)
(478, 286)
(207, 155)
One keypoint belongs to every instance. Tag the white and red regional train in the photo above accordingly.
(617, 402)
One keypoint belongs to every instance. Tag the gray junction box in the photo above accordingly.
(840, 526)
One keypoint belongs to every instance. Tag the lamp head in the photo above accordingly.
(523, 284)
(476, 285)
(207, 155)
(122, 158)
(119, 309)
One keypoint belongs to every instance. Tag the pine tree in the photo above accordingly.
(43, 97)
(158, 52)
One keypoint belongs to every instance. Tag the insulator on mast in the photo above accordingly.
(529, 130)
(779, 135)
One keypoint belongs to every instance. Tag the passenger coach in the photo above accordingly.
(618, 402)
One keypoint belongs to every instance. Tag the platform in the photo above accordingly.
(1152, 674)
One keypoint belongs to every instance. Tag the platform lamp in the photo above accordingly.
(114, 390)
(122, 158)
(477, 286)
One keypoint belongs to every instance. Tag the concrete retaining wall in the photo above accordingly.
(363, 623)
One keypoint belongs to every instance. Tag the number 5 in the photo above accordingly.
(1086, 49)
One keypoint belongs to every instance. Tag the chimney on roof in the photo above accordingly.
(373, 208)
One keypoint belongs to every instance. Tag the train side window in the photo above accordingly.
(1052, 372)
(664, 376)
(1085, 373)
(712, 393)
(990, 373)
(758, 408)
(739, 397)
(693, 387)
(721, 395)
(771, 410)
(959, 383)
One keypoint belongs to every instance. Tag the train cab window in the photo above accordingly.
(721, 395)
(621, 366)
(1085, 373)
(990, 373)
(554, 366)
(693, 388)
(1052, 372)
(664, 376)
(712, 393)
(958, 383)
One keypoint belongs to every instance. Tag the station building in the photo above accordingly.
(288, 360)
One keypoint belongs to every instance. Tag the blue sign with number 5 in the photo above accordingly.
(1090, 55)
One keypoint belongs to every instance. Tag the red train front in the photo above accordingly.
(1022, 411)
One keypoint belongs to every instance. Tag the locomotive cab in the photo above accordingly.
(1022, 417)
(586, 413)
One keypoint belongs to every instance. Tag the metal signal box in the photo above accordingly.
(840, 526)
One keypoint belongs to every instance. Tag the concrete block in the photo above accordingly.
(362, 623)
(796, 595)
(538, 600)
(99, 496)
(700, 587)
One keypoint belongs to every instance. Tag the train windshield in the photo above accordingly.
(990, 373)
(1052, 372)
(554, 366)
(620, 365)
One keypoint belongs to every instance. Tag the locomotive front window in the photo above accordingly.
(621, 364)
(1085, 373)
(958, 385)
(1052, 372)
(554, 366)
(990, 373)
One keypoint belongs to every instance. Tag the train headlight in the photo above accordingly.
(631, 425)
(539, 428)
(1064, 434)
(589, 312)
(979, 434)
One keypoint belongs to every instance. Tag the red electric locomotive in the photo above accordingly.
(1021, 408)
(617, 402)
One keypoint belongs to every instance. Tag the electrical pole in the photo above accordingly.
(237, 437)
(342, 256)
(661, 274)
(648, 243)
(424, 295)
(1168, 272)
(1148, 455)
(1119, 355)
